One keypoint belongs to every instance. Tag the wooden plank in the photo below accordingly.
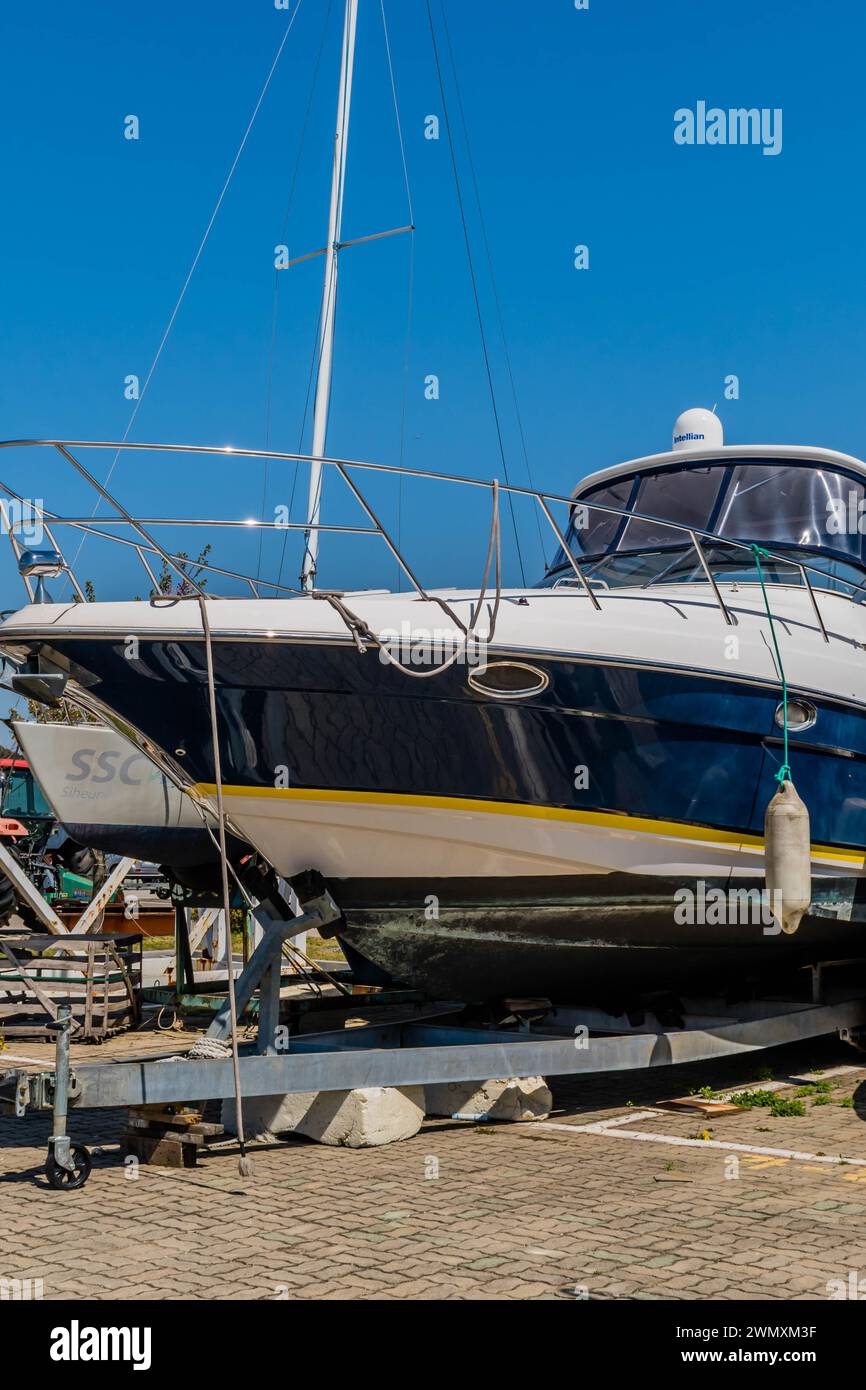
(44, 1000)
(161, 1150)
(699, 1105)
(100, 990)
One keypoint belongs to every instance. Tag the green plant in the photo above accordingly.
(170, 582)
(750, 1100)
(770, 1100)
(782, 1107)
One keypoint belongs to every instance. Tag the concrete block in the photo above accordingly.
(357, 1119)
(523, 1098)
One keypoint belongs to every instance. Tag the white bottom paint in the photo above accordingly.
(355, 839)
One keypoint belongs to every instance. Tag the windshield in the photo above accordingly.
(678, 566)
(23, 797)
(813, 513)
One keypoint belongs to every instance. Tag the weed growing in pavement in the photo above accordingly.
(776, 1104)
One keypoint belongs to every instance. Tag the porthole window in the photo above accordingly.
(508, 680)
(801, 715)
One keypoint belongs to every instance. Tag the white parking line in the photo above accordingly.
(614, 1129)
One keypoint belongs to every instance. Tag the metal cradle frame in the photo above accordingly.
(422, 1045)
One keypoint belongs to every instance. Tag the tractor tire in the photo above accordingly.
(29, 918)
(8, 900)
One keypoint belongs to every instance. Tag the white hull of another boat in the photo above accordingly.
(91, 775)
(108, 795)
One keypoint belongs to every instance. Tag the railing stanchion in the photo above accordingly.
(574, 565)
(814, 601)
(711, 579)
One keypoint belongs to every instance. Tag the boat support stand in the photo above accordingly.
(428, 1044)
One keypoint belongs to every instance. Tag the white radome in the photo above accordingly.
(698, 429)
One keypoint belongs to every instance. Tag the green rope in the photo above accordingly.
(784, 771)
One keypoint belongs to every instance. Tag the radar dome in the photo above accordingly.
(698, 429)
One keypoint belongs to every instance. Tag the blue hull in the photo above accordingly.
(668, 745)
(659, 744)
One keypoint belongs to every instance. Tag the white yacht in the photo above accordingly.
(514, 811)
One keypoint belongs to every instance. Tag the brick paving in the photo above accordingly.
(464, 1212)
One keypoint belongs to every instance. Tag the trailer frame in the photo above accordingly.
(424, 1043)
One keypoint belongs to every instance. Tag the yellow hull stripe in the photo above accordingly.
(604, 820)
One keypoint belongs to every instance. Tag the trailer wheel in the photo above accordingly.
(66, 1179)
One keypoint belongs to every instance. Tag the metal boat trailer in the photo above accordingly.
(422, 1043)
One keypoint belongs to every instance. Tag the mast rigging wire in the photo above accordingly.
(315, 360)
(276, 292)
(197, 257)
(410, 289)
(491, 273)
(472, 275)
(407, 354)
(397, 113)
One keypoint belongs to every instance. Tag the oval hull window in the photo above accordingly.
(508, 680)
(801, 715)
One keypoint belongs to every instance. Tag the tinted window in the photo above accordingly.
(687, 497)
(772, 503)
(799, 506)
(590, 532)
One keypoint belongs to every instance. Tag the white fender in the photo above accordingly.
(788, 857)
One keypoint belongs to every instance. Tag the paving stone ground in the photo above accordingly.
(466, 1212)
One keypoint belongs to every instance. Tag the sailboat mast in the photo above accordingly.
(329, 298)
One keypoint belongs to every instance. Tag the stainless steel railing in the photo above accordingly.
(146, 546)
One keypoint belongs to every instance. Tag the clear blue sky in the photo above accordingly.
(703, 261)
